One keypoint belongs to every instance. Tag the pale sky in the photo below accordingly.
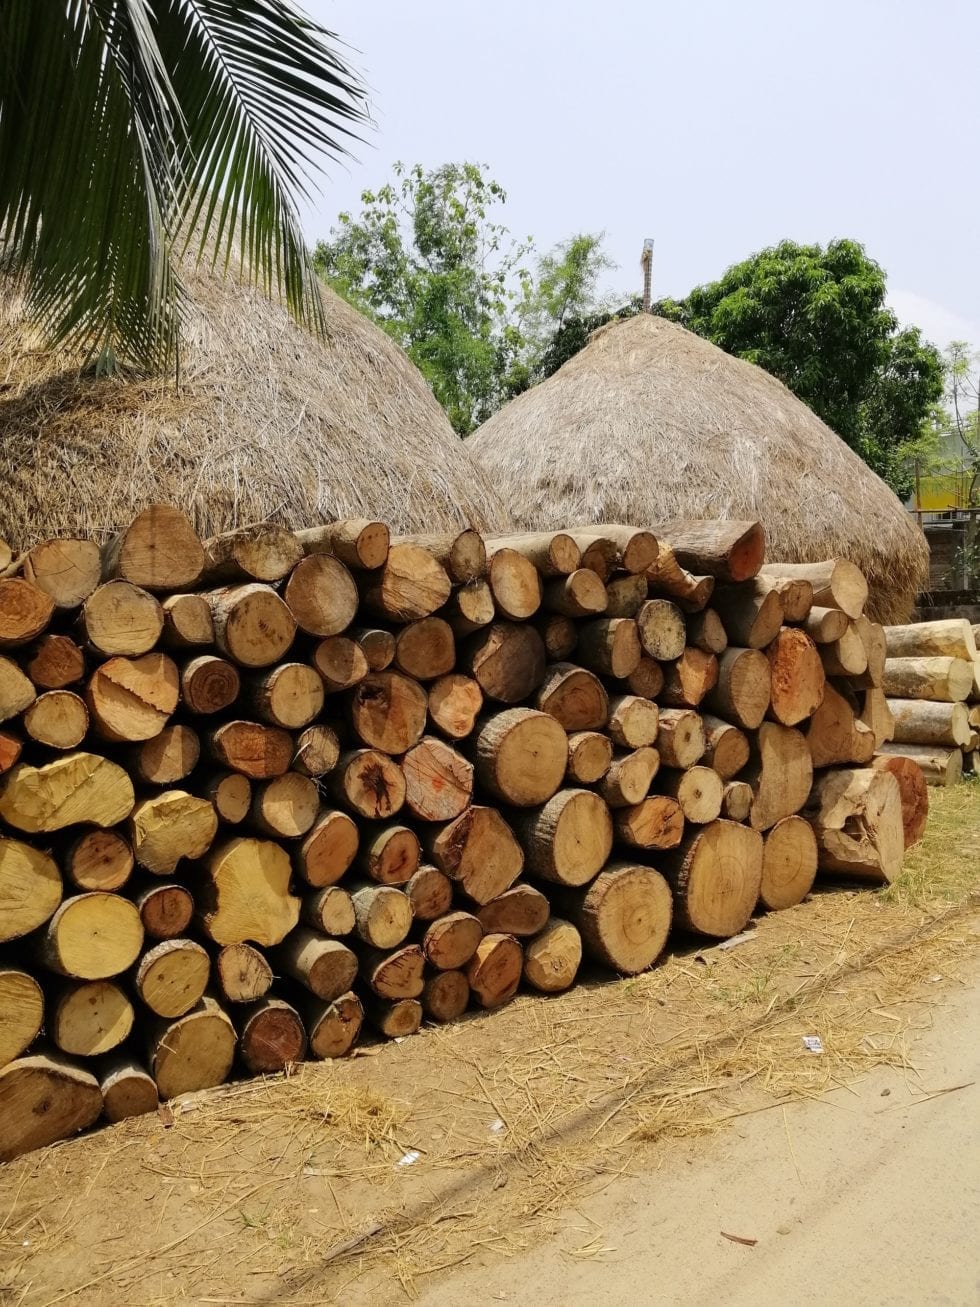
(716, 128)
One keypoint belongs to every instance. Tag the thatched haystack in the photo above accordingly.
(267, 422)
(650, 422)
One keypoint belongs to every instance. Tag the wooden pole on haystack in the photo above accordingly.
(646, 263)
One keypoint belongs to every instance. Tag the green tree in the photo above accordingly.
(127, 124)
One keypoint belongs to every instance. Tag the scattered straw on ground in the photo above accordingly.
(359, 1180)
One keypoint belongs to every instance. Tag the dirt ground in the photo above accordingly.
(605, 1142)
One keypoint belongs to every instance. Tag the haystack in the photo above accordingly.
(266, 422)
(650, 422)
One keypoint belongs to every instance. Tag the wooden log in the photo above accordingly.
(91, 937)
(743, 690)
(656, 822)
(917, 721)
(16, 690)
(846, 656)
(628, 779)
(751, 621)
(77, 787)
(507, 660)
(520, 756)
(552, 959)
(449, 942)
(796, 676)
(951, 637)
(21, 1012)
(382, 914)
(478, 851)
(194, 1052)
(166, 909)
(494, 971)
(939, 766)
(333, 1028)
(633, 549)
(393, 1020)
(132, 699)
(325, 966)
(438, 780)
(559, 635)
(389, 855)
(388, 711)
(66, 570)
(680, 737)
(330, 911)
(705, 631)
(230, 793)
(521, 910)
(209, 684)
(242, 973)
(590, 756)
(328, 850)
(369, 783)
(358, 541)
(159, 550)
(835, 733)
(285, 808)
(568, 840)
(609, 646)
(646, 680)
(463, 554)
(454, 704)
(317, 750)
(245, 893)
(913, 791)
(872, 637)
(941, 679)
(470, 608)
(271, 1036)
(121, 619)
(10, 750)
(187, 622)
(877, 716)
(171, 826)
(736, 802)
(780, 773)
(553, 553)
(660, 626)
(44, 1098)
(580, 595)
(731, 551)
(726, 748)
(412, 584)
(699, 791)
(633, 722)
(377, 645)
(321, 595)
(99, 860)
(426, 649)
(667, 577)
(128, 1089)
(255, 750)
(25, 611)
(715, 877)
(57, 719)
(836, 583)
(169, 757)
(576, 698)
(252, 625)
(171, 977)
(624, 917)
(446, 995)
(826, 625)
(515, 584)
(789, 863)
(856, 816)
(795, 594)
(263, 551)
(689, 679)
(430, 892)
(52, 664)
(626, 595)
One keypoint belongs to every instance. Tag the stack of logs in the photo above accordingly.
(261, 789)
(932, 679)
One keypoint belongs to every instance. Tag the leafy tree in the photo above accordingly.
(574, 332)
(126, 124)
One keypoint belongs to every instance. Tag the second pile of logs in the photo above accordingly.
(262, 789)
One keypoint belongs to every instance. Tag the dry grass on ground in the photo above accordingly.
(301, 1190)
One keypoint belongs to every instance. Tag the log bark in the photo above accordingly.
(330, 911)
(553, 553)
(569, 839)
(520, 756)
(743, 690)
(646, 680)
(289, 696)
(382, 914)
(446, 995)
(576, 698)
(699, 791)
(736, 803)
(252, 625)
(44, 1098)
(326, 967)
(478, 851)
(939, 766)
(242, 973)
(633, 722)
(92, 937)
(943, 680)
(470, 608)
(257, 751)
(66, 570)
(99, 860)
(751, 621)
(285, 808)
(328, 850)
(394, 1020)
(169, 827)
(166, 909)
(261, 552)
(689, 679)
(194, 1052)
(54, 663)
(950, 638)
(789, 863)
(835, 733)
(389, 855)
(25, 611)
(16, 690)
(119, 618)
(271, 1036)
(731, 551)
(127, 1088)
(438, 780)
(726, 747)
(628, 779)
(430, 892)
(450, 941)
(796, 677)
(388, 711)
(780, 773)
(463, 554)
(590, 756)
(455, 702)
(666, 576)
(245, 893)
(426, 649)
(919, 722)
(795, 594)
(826, 625)
(230, 794)
(317, 750)
(836, 583)
(187, 622)
(132, 699)
(77, 787)
(377, 645)
(369, 783)
(412, 584)
(624, 917)
(580, 595)
(715, 877)
(856, 816)
(552, 959)
(321, 595)
(913, 791)
(21, 1012)
(515, 584)
(171, 977)
(169, 757)
(656, 822)
(209, 684)
(609, 646)
(626, 595)
(333, 1028)
(680, 738)
(522, 910)
(494, 971)
(57, 719)
(159, 550)
(660, 626)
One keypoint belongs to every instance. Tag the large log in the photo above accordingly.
(520, 756)
(44, 1098)
(917, 721)
(169, 757)
(321, 595)
(569, 839)
(609, 646)
(25, 611)
(494, 972)
(242, 973)
(325, 966)
(257, 751)
(633, 721)
(624, 916)
(187, 622)
(576, 698)
(263, 551)
(698, 790)
(430, 892)
(21, 1012)
(66, 570)
(91, 937)
(388, 711)
(78, 787)
(751, 621)
(856, 816)
(726, 747)
(743, 690)
(52, 664)
(590, 756)
(478, 851)
(515, 584)
(507, 659)
(426, 649)
(245, 893)
(789, 863)
(796, 677)
(462, 553)
(660, 626)
(328, 850)
(836, 583)
(271, 1036)
(128, 1089)
(731, 551)
(941, 679)
(159, 550)
(438, 780)
(780, 773)
(939, 766)
(172, 976)
(252, 625)
(521, 910)
(680, 738)
(382, 914)
(446, 995)
(133, 698)
(552, 959)
(455, 702)
(847, 656)
(333, 1028)
(57, 719)
(951, 638)
(626, 595)
(411, 584)
(169, 827)
(285, 808)
(99, 860)
(369, 783)
(357, 541)
(715, 877)
(194, 1052)
(450, 941)
(825, 625)
(289, 696)
(835, 733)
(913, 790)
(119, 618)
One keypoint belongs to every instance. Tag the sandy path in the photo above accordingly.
(868, 1197)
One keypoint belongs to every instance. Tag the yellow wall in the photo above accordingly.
(937, 493)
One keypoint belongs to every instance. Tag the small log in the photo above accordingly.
(520, 756)
(826, 625)
(507, 660)
(388, 711)
(628, 779)
(846, 656)
(624, 917)
(736, 802)
(121, 619)
(257, 751)
(835, 734)
(689, 679)
(743, 690)
(99, 860)
(715, 877)
(951, 637)
(590, 756)
(21, 1012)
(446, 995)
(795, 595)
(515, 584)
(430, 892)
(667, 577)
(389, 855)
(438, 780)
(187, 622)
(340, 662)
(680, 737)
(171, 977)
(325, 966)
(169, 757)
(706, 631)
(377, 646)
(245, 893)
(751, 621)
(522, 910)
(877, 716)
(317, 750)
(66, 570)
(699, 791)
(940, 679)
(382, 914)
(261, 552)
(285, 808)
(494, 971)
(919, 722)
(171, 826)
(333, 1028)
(394, 1020)
(463, 554)
(242, 973)
(25, 611)
(369, 783)
(609, 646)
(252, 625)
(132, 699)
(194, 1052)
(426, 649)
(479, 851)
(939, 766)
(789, 863)
(780, 773)
(796, 676)
(398, 974)
(600, 554)
(559, 634)
(913, 791)
(836, 583)
(856, 816)
(656, 822)
(328, 850)
(552, 553)
(209, 684)
(159, 550)
(321, 595)
(626, 595)
(166, 909)
(357, 541)
(128, 1089)
(412, 584)
(10, 750)
(569, 839)
(77, 787)
(43, 1099)
(576, 698)
(470, 608)
(647, 678)
(58, 719)
(872, 637)
(329, 911)
(53, 663)
(580, 595)
(731, 551)
(455, 702)
(635, 550)
(552, 959)
(92, 937)
(230, 793)
(660, 625)
(726, 748)
(633, 722)
(271, 1036)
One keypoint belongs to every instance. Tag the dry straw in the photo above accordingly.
(650, 422)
